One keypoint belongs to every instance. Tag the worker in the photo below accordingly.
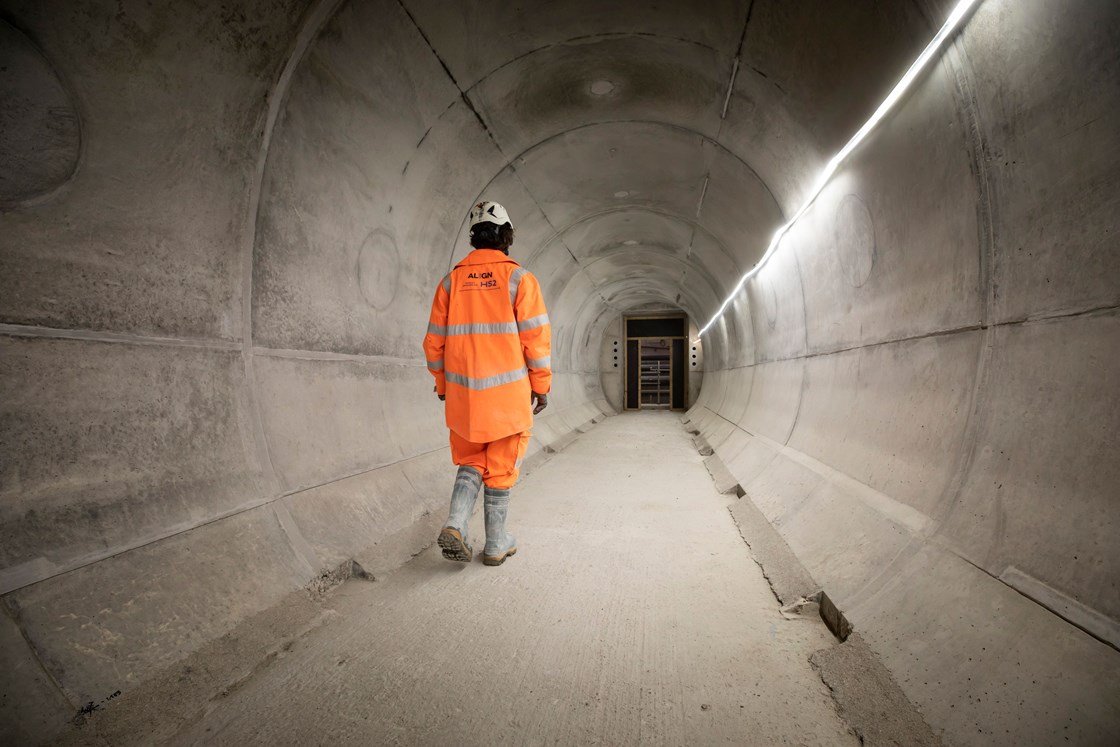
(488, 347)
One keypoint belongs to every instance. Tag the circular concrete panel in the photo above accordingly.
(855, 240)
(40, 134)
(379, 269)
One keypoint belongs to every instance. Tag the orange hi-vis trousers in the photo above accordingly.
(498, 461)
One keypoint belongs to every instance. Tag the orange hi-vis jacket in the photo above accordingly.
(488, 342)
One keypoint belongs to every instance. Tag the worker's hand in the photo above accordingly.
(541, 401)
(442, 397)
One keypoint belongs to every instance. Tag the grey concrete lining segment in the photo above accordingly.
(32, 707)
(739, 326)
(737, 440)
(773, 411)
(737, 207)
(937, 247)
(714, 260)
(641, 226)
(780, 151)
(923, 434)
(814, 87)
(673, 182)
(1034, 679)
(210, 309)
(602, 234)
(1071, 494)
(748, 227)
(737, 398)
(472, 55)
(717, 433)
(644, 269)
(558, 273)
(1055, 248)
(644, 78)
(312, 438)
(869, 541)
(343, 519)
(623, 292)
(108, 443)
(595, 318)
(163, 268)
(323, 270)
(191, 584)
(41, 143)
(779, 486)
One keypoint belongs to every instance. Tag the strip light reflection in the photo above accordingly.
(951, 24)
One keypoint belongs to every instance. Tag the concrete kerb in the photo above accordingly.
(789, 579)
(721, 476)
(702, 445)
(865, 691)
(869, 699)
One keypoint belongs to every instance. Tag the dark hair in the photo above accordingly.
(492, 236)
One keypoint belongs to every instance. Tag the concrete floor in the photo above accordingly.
(633, 614)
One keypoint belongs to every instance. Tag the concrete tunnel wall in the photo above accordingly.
(217, 272)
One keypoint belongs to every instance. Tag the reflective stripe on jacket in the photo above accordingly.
(488, 343)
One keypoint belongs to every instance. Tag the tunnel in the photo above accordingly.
(222, 225)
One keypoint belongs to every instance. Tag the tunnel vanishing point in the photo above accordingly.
(221, 224)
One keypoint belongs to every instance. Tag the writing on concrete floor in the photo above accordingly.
(90, 707)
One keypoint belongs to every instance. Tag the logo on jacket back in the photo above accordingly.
(486, 280)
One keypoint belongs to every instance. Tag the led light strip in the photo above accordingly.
(955, 19)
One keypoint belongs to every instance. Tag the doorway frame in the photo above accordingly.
(626, 358)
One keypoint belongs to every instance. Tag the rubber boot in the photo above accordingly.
(453, 538)
(500, 544)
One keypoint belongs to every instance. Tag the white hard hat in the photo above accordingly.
(489, 212)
